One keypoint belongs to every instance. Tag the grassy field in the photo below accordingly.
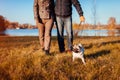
(21, 59)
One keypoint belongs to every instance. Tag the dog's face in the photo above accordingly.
(77, 48)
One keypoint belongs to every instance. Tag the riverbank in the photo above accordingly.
(21, 59)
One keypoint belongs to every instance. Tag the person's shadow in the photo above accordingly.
(97, 54)
(102, 52)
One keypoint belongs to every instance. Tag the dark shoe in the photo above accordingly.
(47, 52)
(62, 51)
(43, 49)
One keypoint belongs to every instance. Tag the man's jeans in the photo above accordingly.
(67, 23)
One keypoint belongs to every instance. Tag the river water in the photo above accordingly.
(34, 32)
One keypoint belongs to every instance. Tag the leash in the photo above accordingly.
(80, 24)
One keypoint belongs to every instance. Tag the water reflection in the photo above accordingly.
(98, 33)
(34, 32)
(117, 33)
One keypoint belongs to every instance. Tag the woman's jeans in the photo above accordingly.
(67, 23)
(45, 27)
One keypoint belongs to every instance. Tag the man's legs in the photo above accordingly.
(60, 30)
(69, 30)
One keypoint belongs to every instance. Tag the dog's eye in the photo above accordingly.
(80, 47)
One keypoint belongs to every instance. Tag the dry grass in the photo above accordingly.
(21, 59)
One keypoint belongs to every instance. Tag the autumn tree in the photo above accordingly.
(111, 23)
(2, 23)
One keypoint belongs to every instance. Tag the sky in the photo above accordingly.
(22, 11)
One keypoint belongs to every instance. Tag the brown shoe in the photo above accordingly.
(69, 51)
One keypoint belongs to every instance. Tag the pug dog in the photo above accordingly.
(78, 52)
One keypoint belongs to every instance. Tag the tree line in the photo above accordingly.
(111, 24)
(6, 24)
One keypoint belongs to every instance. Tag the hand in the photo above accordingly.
(82, 18)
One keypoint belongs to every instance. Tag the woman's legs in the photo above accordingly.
(47, 36)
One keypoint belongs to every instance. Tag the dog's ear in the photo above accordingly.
(73, 45)
(80, 44)
(80, 47)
